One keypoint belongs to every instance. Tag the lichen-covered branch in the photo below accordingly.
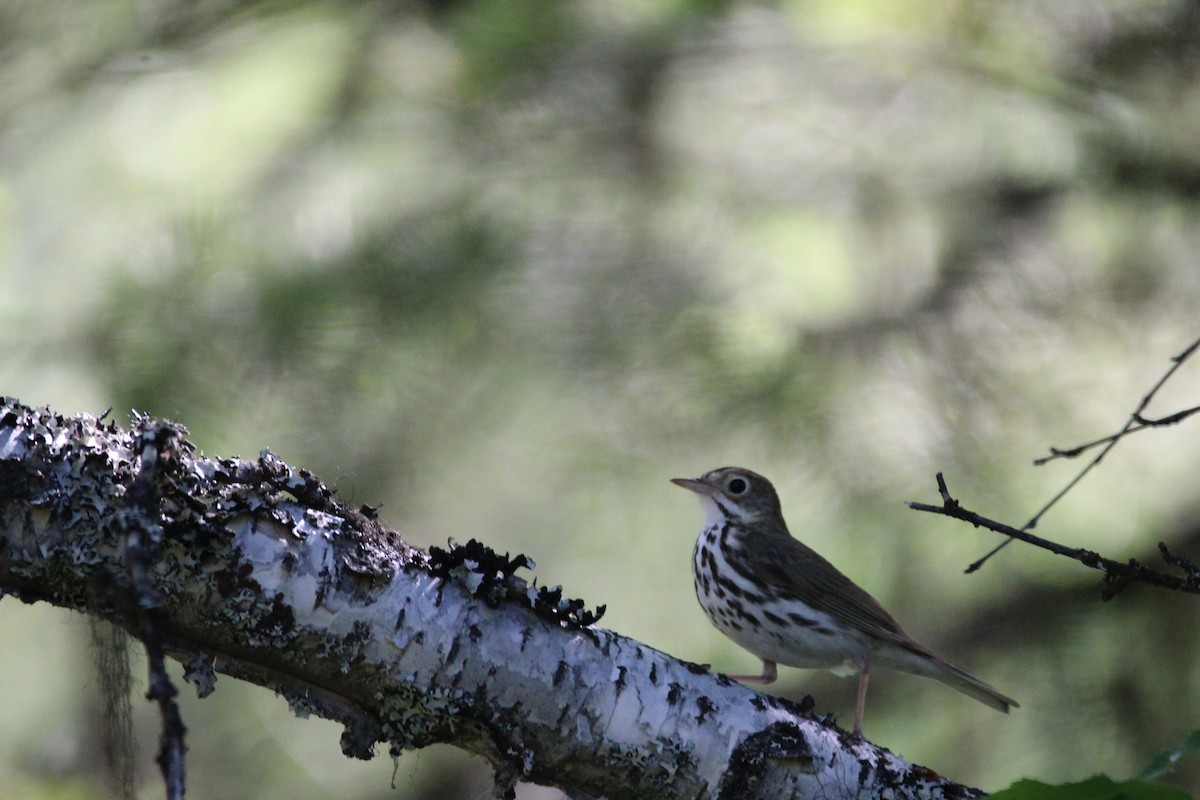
(259, 571)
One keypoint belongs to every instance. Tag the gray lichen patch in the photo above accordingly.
(200, 673)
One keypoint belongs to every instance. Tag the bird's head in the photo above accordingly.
(734, 494)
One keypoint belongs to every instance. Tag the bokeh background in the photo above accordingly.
(506, 267)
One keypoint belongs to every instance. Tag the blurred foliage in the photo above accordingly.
(507, 267)
(1097, 788)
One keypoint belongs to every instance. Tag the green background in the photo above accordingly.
(504, 268)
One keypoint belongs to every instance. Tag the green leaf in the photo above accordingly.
(1098, 787)
(1165, 761)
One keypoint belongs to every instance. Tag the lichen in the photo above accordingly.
(652, 767)
(412, 718)
(491, 577)
(200, 673)
(755, 754)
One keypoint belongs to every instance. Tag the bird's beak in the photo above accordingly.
(693, 484)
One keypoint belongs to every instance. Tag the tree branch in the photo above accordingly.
(1141, 423)
(1135, 423)
(260, 572)
(1116, 574)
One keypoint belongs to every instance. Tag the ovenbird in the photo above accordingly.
(779, 599)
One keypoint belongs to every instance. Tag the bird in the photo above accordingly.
(778, 598)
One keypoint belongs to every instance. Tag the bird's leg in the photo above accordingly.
(861, 702)
(769, 674)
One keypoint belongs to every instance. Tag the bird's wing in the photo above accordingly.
(793, 568)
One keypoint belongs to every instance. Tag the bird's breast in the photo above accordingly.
(759, 616)
(724, 587)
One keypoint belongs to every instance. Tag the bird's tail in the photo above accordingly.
(923, 662)
(971, 686)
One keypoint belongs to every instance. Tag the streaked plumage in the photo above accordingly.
(779, 599)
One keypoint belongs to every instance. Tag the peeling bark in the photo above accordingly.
(257, 570)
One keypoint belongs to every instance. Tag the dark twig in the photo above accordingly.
(1135, 423)
(140, 520)
(1116, 574)
(1143, 423)
(1190, 568)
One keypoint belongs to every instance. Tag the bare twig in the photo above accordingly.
(1116, 574)
(1143, 423)
(1135, 423)
(1190, 568)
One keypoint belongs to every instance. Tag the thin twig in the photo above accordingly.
(1143, 423)
(1118, 575)
(1136, 422)
(1190, 568)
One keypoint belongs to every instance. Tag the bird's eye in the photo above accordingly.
(737, 486)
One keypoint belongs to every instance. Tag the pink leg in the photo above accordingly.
(769, 674)
(861, 702)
